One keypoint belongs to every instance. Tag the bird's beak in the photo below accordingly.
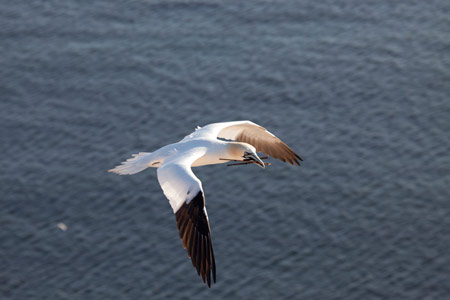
(253, 157)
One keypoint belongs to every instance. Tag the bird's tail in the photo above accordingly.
(135, 164)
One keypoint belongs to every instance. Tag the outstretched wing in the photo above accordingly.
(185, 194)
(193, 225)
(253, 134)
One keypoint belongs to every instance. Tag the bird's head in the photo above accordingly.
(252, 156)
(246, 152)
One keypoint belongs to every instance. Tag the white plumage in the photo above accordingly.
(213, 144)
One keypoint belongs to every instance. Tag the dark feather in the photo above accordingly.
(193, 225)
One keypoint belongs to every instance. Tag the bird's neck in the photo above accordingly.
(220, 153)
(234, 150)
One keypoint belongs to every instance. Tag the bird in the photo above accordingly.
(235, 143)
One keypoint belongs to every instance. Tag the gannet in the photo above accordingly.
(216, 143)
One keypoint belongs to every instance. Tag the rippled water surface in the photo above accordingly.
(359, 89)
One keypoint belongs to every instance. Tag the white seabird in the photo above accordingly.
(213, 144)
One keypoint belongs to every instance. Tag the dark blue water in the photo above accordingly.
(360, 90)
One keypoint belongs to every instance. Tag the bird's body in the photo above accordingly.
(213, 144)
(213, 150)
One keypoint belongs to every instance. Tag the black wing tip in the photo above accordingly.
(292, 157)
(193, 227)
(293, 160)
(297, 158)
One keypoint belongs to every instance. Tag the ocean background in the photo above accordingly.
(359, 89)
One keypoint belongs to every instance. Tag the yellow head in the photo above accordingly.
(244, 151)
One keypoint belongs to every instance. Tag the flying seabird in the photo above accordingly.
(232, 142)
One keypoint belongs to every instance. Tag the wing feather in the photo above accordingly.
(197, 237)
(185, 194)
(251, 133)
(260, 138)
